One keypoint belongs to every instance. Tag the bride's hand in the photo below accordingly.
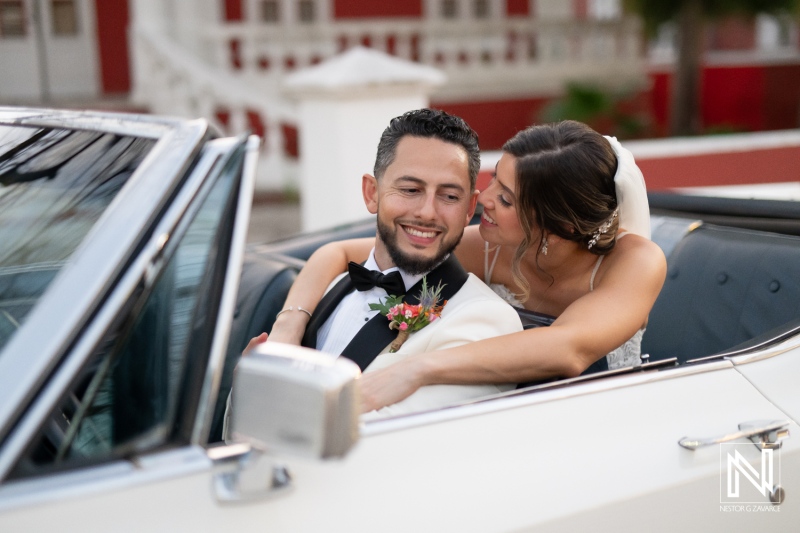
(255, 341)
(289, 328)
(389, 385)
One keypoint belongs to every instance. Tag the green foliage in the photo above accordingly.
(594, 106)
(656, 12)
(385, 305)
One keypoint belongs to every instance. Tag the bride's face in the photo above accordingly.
(499, 222)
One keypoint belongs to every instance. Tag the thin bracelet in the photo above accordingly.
(290, 308)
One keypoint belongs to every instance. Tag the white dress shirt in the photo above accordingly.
(353, 311)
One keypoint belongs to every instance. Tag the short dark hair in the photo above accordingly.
(429, 123)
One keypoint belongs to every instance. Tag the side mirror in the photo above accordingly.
(296, 401)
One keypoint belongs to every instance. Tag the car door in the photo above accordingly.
(120, 421)
(601, 455)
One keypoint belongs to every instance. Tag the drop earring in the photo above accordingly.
(544, 246)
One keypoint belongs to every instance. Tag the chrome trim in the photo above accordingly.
(510, 400)
(786, 346)
(147, 126)
(99, 479)
(761, 348)
(43, 405)
(79, 288)
(244, 474)
(655, 365)
(765, 434)
(216, 359)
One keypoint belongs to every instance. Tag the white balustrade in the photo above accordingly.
(494, 57)
(470, 45)
(171, 81)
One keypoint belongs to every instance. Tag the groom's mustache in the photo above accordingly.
(420, 224)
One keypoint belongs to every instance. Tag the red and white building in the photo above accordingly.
(504, 59)
(57, 50)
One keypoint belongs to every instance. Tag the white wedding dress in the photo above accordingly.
(629, 354)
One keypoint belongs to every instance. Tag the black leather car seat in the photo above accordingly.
(264, 284)
(724, 287)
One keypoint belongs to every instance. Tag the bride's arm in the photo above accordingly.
(319, 271)
(592, 326)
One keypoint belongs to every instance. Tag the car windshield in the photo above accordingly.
(54, 185)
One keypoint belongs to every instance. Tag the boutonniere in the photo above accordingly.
(408, 318)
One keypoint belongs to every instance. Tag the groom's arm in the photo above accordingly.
(477, 318)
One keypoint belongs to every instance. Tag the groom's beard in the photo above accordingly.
(408, 263)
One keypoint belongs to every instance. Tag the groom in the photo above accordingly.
(423, 192)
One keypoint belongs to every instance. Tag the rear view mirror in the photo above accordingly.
(296, 401)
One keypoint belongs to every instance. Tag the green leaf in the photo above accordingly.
(385, 306)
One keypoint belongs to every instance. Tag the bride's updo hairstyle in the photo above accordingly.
(565, 186)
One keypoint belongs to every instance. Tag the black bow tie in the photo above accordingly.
(365, 279)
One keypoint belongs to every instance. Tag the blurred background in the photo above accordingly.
(632, 68)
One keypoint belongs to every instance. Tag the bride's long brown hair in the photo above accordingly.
(565, 186)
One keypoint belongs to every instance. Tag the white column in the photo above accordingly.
(344, 104)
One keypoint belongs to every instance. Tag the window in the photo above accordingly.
(65, 17)
(12, 19)
(54, 186)
(135, 392)
(270, 11)
(481, 9)
(449, 9)
(306, 10)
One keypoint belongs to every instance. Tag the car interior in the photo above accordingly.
(731, 283)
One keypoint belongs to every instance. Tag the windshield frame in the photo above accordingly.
(81, 286)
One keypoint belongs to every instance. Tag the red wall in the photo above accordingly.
(517, 7)
(739, 98)
(233, 10)
(733, 96)
(112, 37)
(352, 9)
(497, 121)
(782, 97)
(734, 168)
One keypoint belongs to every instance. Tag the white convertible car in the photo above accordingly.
(126, 296)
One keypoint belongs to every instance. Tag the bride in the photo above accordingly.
(564, 232)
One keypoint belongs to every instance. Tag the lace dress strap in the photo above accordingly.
(488, 269)
(600, 260)
(594, 272)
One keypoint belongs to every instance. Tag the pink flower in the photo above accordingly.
(434, 317)
(403, 326)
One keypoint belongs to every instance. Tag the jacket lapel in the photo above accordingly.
(371, 340)
(324, 309)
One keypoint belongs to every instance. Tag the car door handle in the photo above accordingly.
(764, 434)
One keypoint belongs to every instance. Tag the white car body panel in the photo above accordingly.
(434, 476)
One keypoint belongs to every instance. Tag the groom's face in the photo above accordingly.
(423, 201)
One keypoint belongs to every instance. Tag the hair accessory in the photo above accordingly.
(544, 246)
(603, 229)
(290, 308)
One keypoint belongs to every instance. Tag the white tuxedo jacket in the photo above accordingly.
(474, 313)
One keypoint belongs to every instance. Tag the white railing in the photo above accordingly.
(463, 48)
(480, 58)
(170, 81)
